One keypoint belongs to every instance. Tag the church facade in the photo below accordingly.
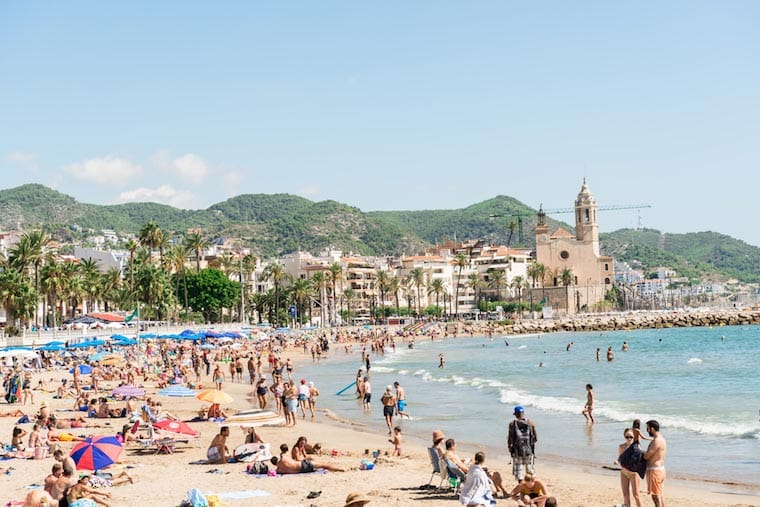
(577, 276)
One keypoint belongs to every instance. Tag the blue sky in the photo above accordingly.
(391, 105)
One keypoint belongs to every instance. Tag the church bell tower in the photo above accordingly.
(586, 224)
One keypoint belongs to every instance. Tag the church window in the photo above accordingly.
(587, 215)
(564, 254)
(606, 281)
(606, 266)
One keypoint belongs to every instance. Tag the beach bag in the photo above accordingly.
(257, 468)
(196, 498)
(523, 439)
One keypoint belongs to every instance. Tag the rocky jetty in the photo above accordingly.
(612, 322)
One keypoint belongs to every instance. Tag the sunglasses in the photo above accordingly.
(629, 437)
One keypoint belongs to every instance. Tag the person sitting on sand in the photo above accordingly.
(251, 437)
(215, 411)
(218, 453)
(52, 479)
(82, 491)
(17, 439)
(301, 449)
(476, 489)
(530, 491)
(287, 465)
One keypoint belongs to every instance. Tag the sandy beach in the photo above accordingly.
(164, 479)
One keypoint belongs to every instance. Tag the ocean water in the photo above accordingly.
(701, 384)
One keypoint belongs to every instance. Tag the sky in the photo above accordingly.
(391, 105)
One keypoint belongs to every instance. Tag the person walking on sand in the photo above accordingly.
(655, 458)
(521, 441)
(588, 408)
(389, 406)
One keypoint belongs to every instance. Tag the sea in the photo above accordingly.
(701, 384)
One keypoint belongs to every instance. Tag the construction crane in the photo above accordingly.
(560, 211)
(519, 217)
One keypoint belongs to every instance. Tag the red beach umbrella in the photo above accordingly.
(96, 452)
(179, 427)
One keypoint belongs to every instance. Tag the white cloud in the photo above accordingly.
(26, 160)
(310, 191)
(108, 169)
(189, 167)
(165, 194)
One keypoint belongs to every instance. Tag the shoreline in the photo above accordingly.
(553, 461)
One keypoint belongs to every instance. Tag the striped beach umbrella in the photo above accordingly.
(97, 452)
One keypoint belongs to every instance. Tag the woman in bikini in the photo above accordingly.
(630, 481)
(82, 495)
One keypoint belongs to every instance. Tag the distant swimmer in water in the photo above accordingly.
(441, 361)
(660, 340)
(506, 343)
(598, 354)
(610, 354)
(722, 338)
(569, 345)
(624, 348)
(541, 364)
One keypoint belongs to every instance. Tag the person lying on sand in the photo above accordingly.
(287, 465)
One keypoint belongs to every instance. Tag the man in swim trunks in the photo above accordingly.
(400, 400)
(655, 458)
(588, 409)
(217, 452)
(287, 465)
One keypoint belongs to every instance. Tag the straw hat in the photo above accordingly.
(356, 500)
(438, 435)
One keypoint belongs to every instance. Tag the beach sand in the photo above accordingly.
(163, 480)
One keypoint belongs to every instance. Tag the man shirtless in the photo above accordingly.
(588, 409)
(655, 458)
(287, 465)
(400, 400)
(218, 453)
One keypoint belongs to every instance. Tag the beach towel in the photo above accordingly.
(240, 495)
(633, 459)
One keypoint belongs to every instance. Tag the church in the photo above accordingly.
(588, 275)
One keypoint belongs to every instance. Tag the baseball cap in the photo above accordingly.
(519, 409)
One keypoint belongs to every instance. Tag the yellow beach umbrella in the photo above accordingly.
(214, 396)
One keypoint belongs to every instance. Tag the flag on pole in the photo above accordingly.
(133, 315)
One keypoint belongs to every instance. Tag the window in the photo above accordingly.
(606, 266)
(606, 281)
(564, 254)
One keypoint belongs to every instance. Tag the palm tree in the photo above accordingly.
(151, 235)
(176, 259)
(247, 268)
(460, 262)
(132, 247)
(52, 278)
(319, 284)
(566, 275)
(407, 285)
(518, 284)
(336, 275)
(394, 287)
(437, 287)
(300, 290)
(90, 277)
(382, 280)
(476, 284)
(497, 279)
(417, 276)
(276, 273)
(196, 243)
(72, 289)
(17, 297)
(30, 252)
(537, 271)
(349, 295)
(110, 284)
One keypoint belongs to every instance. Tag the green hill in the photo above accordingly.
(280, 223)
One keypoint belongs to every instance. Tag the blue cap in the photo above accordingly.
(519, 409)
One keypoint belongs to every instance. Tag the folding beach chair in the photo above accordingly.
(456, 476)
(435, 460)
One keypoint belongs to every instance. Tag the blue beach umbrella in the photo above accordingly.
(84, 369)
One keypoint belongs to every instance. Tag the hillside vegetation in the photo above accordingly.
(276, 224)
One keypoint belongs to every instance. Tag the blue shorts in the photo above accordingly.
(292, 405)
(401, 405)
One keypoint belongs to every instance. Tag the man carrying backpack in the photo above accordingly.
(521, 440)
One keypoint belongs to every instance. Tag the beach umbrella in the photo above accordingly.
(97, 357)
(111, 359)
(84, 369)
(177, 390)
(214, 396)
(22, 353)
(97, 452)
(179, 427)
(208, 346)
(129, 390)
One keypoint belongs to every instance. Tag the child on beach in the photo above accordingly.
(396, 441)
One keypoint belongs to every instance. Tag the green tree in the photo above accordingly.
(319, 285)
(476, 284)
(210, 291)
(566, 276)
(437, 287)
(497, 279)
(336, 275)
(196, 243)
(349, 296)
(275, 272)
(382, 280)
(394, 287)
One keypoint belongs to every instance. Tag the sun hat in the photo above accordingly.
(356, 499)
(519, 409)
(438, 435)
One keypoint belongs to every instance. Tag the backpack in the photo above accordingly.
(257, 468)
(522, 438)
